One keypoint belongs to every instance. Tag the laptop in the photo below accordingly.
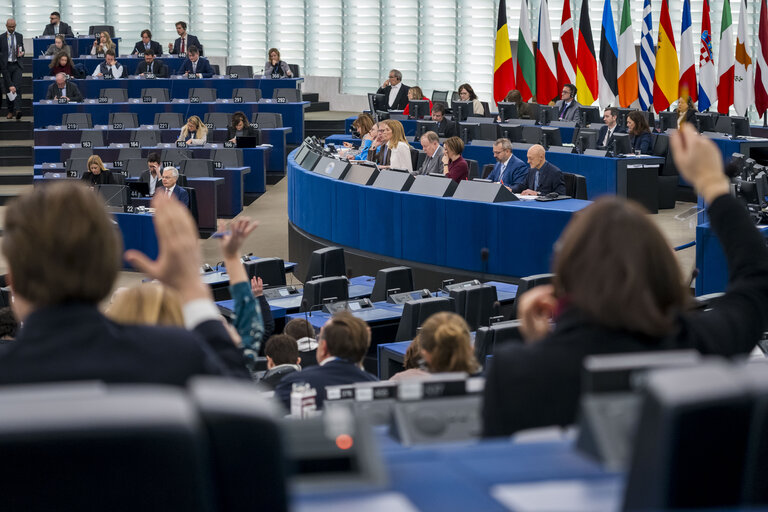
(139, 187)
(247, 141)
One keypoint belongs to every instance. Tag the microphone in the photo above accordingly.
(694, 275)
(484, 254)
(304, 306)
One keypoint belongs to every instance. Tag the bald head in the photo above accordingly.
(10, 25)
(536, 156)
(61, 79)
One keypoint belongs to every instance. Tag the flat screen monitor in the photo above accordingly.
(621, 119)
(513, 132)
(548, 113)
(301, 154)
(587, 140)
(467, 131)
(507, 110)
(418, 109)
(741, 126)
(361, 174)
(461, 110)
(705, 122)
(668, 120)
(423, 127)
(310, 160)
(332, 167)
(552, 136)
(621, 145)
(590, 115)
(533, 134)
(376, 103)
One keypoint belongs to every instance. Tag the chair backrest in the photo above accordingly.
(126, 154)
(420, 160)
(268, 120)
(487, 170)
(77, 164)
(135, 167)
(389, 279)
(95, 137)
(159, 93)
(174, 120)
(290, 95)
(417, 311)
(475, 304)
(197, 168)
(203, 93)
(128, 119)
(80, 119)
(218, 119)
(215, 67)
(317, 290)
(295, 70)
(240, 71)
(193, 209)
(439, 96)
(114, 194)
(326, 262)
(474, 169)
(98, 29)
(228, 157)
(117, 95)
(486, 108)
(248, 95)
(175, 156)
(528, 282)
(414, 157)
(145, 138)
(81, 153)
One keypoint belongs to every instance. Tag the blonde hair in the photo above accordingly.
(398, 133)
(146, 304)
(95, 159)
(445, 336)
(200, 133)
(110, 45)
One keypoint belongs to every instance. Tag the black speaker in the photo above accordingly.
(439, 186)
(484, 192)
(394, 180)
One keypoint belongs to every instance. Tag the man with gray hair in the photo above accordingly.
(430, 142)
(63, 89)
(395, 92)
(170, 177)
(509, 170)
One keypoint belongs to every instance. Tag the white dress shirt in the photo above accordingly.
(393, 93)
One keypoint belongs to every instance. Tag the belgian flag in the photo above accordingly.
(503, 69)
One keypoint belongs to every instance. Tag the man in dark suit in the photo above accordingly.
(543, 178)
(153, 174)
(56, 26)
(150, 66)
(343, 343)
(146, 44)
(63, 89)
(196, 65)
(605, 136)
(170, 177)
(509, 170)
(445, 128)
(184, 42)
(11, 52)
(394, 91)
(64, 337)
(567, 107)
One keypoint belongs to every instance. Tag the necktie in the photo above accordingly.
(384, 156)
(536, 181)
(607, 137)
(194, 67)
(150, 66)
(562, 109)
(182, 45)
(169, 192)
(501, 173)
(12, 48)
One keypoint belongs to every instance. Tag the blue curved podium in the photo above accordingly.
(438, 231)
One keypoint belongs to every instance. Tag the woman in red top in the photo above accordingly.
(415, 93)
(61, 63)
(454, 165)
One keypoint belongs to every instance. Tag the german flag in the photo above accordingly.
(503, 68)
(586, 63)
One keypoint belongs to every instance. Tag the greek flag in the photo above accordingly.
(647, 58)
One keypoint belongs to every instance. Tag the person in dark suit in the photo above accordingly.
(343, 343)
(543, 177)
(568, 108)
(147, 43)
(445, 128)
(239, 126)
(110, 68)
(605, 135)
(170, 177)
(153, 174)
(63, 89)
(282, 354)
(509, 170)
(63, 336)
(639, 133)
(151, 66)
(56, 27)
(184, 42)
(538, 383)
(11, 52)
(686, 111)
(394, 91)
(196, 65)
(97, 173)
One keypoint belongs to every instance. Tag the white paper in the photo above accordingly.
(385, 502)
(598, 494)
(11, 96)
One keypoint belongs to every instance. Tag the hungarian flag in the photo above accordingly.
(667, 68)
(566, 50)
(525, 77)
(761, 73)
(725, 61)
(743, 83)
(503, 68)
(608, 88)
(546, 81)
(707, 80)
(627, 62)
(586, 63)
(687, 85)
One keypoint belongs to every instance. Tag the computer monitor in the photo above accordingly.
(332, 167)
(488, 338)
(551, 136)
(418, 109)
(325, 289)
(548, 113)
(621, 145)
(513, 132)
(621, 118)
(301, 154)
(507, 110)
(417, 311)
(590, 114)
(467, 131)
(461, 110)
(533, 134)
(377, 103)
(705, 122)
(667, 121)
(361, 173)
(270, 270)
(423, 127)
(741, 126)
(587, 139)
(326, 262)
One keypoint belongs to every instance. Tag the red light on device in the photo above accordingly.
(344, 442)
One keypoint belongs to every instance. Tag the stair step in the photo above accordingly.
(323, 128)
(319, 106)
(16, 179)
(311, 96)
(16, 161)
(8, 192)
(16, 125)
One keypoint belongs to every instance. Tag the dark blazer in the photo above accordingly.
(446, 128)
(4, 50)
(203, 67)
(247, 131)
(515, 173)
(154, 45)
(273, 377)
(604, 130)
(191, 41)
(643, 142)
(401, 100)
(180, 194)
(64, 30)
(550, 180)
(76, 342)
(332, 373)
(158, 67)
(572, 113)
(538, 384)
(71, 91)
(103, 178)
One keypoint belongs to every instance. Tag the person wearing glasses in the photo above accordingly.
(395, 91)
(56, 27)
(568, 109)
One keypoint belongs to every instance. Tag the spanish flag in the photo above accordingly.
(586, 63)
(503, 68)
(667, 68)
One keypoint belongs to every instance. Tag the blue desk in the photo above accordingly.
(756, 148)
(41, 65)
(277, 311)
(138, 232)
(391, 353)
(382, 312)
(710, 260)
(80, 45)
(177, 88)
(47, 114)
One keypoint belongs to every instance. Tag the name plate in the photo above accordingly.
(117, 163)
(233, 75)
(134, 144)
(229, 144)
(71, 126)
(128, 208)
(167, 163)
(117, 126)
(275, 75)
(103, 99)
(63, 100)
(281, 99)
(218, 165)
(194, 99)
(149, 76)
(255, 126)
(181, 144)
(163, 126)
(86, 144)
(209, 126)
(146, 99)
(71, 174)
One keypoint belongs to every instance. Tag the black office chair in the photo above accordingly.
(79, 119)
(414, 157)
(294, 70)
(473, 166)
(228, 157)
(175, 155)
(290, 95)
(475, 304)
(420, 160)
(204, 94)
(218, 119)
(215, 67)
(326, 262)
(487, 170)
(440, 97)
(80, 153)
(128, 119)
(266, 120)
(249, 95)
(95, 137)
(400, 278)
(526, 283)
(174, 120)
(159, 94)
(316, 291)
(417, 311)
(135, 167)
(575, 185)
(486, 109)
(668, 176)
(98, 29)
(145, 138)
(117, 95)
(240, 71)
(197, 168)
(192, 202)
(77, 164)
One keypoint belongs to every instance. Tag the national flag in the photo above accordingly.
(647, 63)
(627, 62)
(667, 68)
(546, 81)
(525, 77)
(566, 50)
(725, 61)
(504, 67)
(608, 88)
(687, 85)
(743, 82)
(586, 63)
(707, 77)
(761, 71)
